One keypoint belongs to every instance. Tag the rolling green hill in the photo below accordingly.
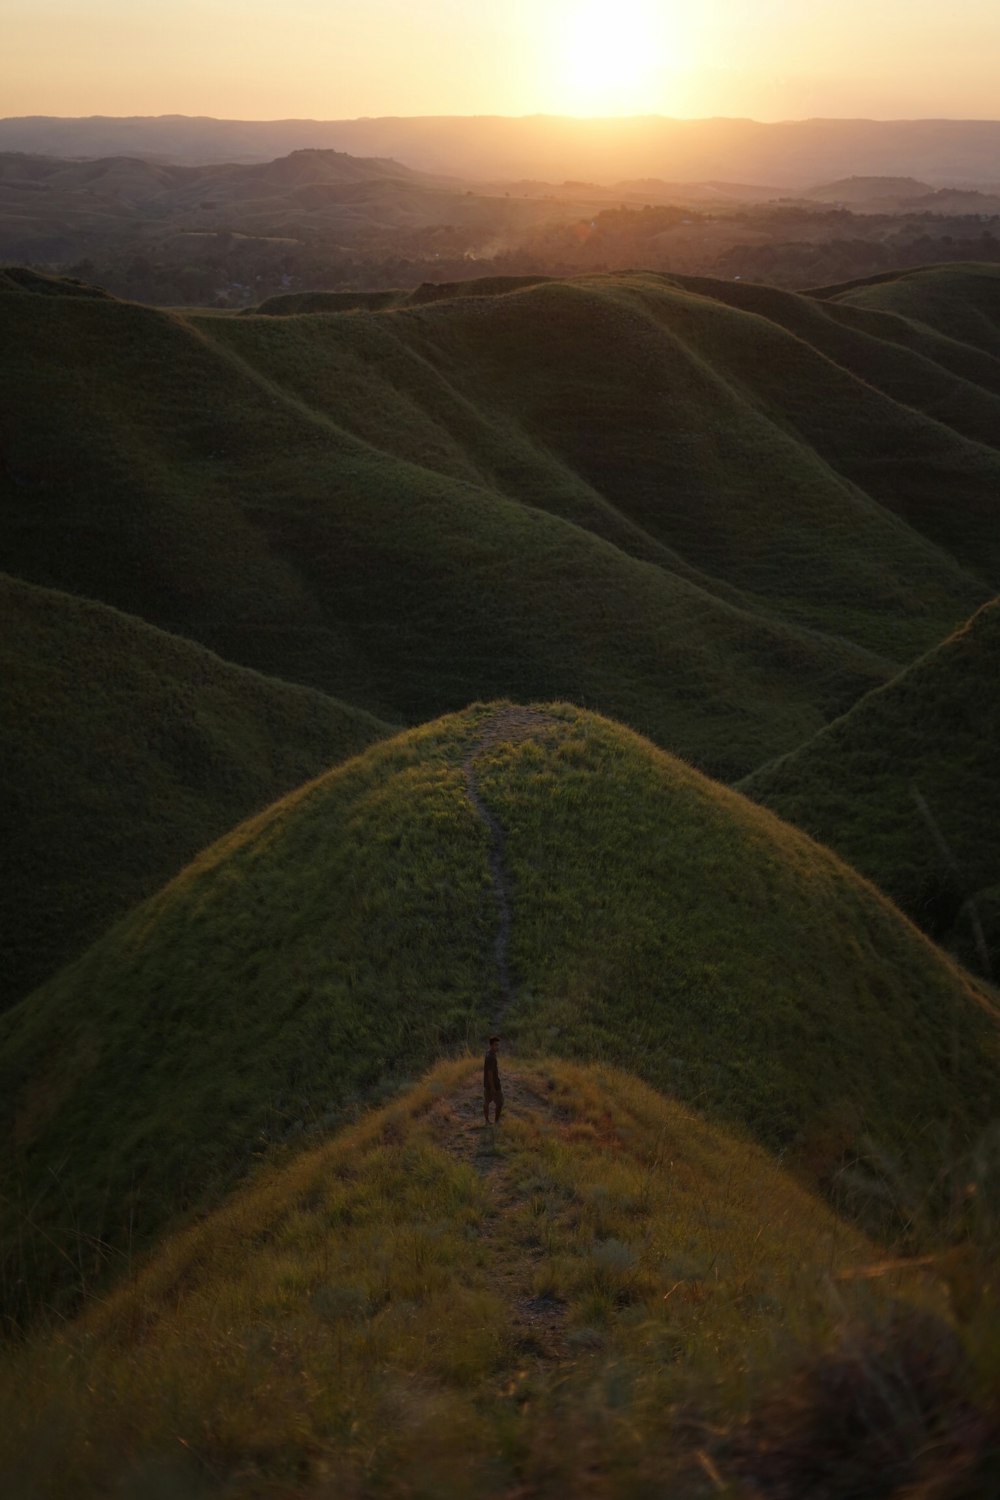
(943, 379)
(594, 489)
(906, 787)
(683, 411)
(343, 939)
(27, 282)
(586, 1300)
(123, 751)
(964, 307)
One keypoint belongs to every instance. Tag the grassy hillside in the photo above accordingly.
(907, 788)
(669, 394)
(123, 751)
(565, 489)
(38, 284)
(346, 937)
(586, 1300)
(962, 305)
(943, 379)
(972, 365)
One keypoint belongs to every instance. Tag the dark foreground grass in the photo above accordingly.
(907, 788)
(591, 1299)
(329, 947)
(123, 752)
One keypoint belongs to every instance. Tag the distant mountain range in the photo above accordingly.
(54, 208)
(789, 154)
(50, 205)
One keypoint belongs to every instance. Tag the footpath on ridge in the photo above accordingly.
(506, 726)
(537, 1322)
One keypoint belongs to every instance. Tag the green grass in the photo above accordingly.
(344, 939)
(616, 490)
(961, 304)
(582, 1300)
(123, 752)
(679, 436)
(944, 379)
(662, 922)
(906, 788)
(899, 427)
(323, 950)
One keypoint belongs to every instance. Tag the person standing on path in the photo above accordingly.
(492, 1092)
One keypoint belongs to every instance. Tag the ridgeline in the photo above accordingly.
(346, 937)
(906, 787)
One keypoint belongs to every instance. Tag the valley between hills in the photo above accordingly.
(609, 662)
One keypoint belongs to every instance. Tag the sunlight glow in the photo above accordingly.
(611, 56)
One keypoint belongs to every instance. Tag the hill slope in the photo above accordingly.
(966, 308)
(906, 787)
(379, 537)
(676, 384)
(574, 1302)
(123, 751)
(618, 490)
(346, 936)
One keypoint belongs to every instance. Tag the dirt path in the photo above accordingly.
(507, 726)
(536, 1322)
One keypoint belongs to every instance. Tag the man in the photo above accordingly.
(491, 1083)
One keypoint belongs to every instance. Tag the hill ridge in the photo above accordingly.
(349, 934)
(919, 819)
(596, 1276)
(271, 579)
(123, 751)
(506, 725)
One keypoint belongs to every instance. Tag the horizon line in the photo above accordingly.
(534, 115)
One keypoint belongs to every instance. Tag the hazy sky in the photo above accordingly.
(770, 59)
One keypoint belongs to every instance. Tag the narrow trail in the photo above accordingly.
(507, 726)
(537, 1323)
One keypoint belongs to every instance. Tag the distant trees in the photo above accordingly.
(785, 244)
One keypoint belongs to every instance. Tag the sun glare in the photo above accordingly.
(611, 55)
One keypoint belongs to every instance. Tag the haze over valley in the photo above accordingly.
(196, 211)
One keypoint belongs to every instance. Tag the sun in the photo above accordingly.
(610, 55)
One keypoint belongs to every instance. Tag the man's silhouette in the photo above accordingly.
(492, 1092)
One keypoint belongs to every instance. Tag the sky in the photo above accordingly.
(325, 59)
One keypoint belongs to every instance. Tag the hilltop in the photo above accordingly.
(124, 751)
(413, 505)
(876, 191)
(906, 787)
(542, 865)
(589, 1297)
